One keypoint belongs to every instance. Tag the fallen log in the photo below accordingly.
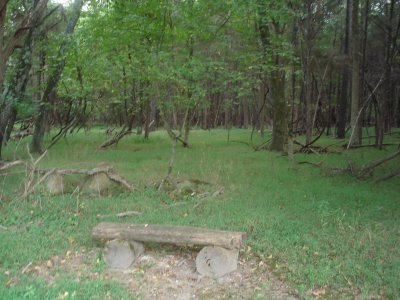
(180, 235)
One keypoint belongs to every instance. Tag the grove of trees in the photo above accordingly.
(294, 67)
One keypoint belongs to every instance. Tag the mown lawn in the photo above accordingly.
(314, 229)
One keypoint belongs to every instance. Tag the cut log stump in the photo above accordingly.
(99, 183)
(55, 184)
(215, 262)
(121, 254)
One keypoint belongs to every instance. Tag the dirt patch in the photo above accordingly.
(168, 274)
(173, 275)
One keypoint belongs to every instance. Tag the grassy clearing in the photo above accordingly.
(315, 231)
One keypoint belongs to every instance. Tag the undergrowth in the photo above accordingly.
(315, 231)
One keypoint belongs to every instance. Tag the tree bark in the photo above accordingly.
(308, 80)
(37, 141)
(279, 132)
(383, 113)
(342, 110)
(20, 77)
(277, 78)
(355, 138)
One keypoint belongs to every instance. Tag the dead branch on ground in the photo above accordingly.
(317, 164)
(31, 189)
(388, 176)
(367, 170)
(365, 146)
(116, 138)
(108, 170)
(12, 164)
(30, 172)
(123, 214)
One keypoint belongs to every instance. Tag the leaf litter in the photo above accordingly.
(167, 273)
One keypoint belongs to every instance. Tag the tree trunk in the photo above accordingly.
(38, 133)
(261, 103)
(342, 118)
(20, 77)
(279, 132)
(308, 80)
(5, 114)
(186, 126)
(355, 138)
(246, 113)
(37, 141)
(383, 114)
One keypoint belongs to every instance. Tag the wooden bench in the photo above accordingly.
(218, 258)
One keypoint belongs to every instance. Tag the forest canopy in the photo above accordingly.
(293, 67)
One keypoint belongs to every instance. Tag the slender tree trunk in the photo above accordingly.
(5, 113)
(329, 110)
(10, 124)
(355, 138)
(245, 108)
(308, 95)
(279, 132)
(308, 80)
(342, 110)
(3, 58)
(363, 90)
(205, 118)
(383, 114)
(147, 122)
(186, 126)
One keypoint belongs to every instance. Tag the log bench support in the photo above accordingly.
(217, 258)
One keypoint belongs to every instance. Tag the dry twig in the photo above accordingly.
(12, 164)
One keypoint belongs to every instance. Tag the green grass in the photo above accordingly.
(314, 230)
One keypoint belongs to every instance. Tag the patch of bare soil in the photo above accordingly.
(169, 274)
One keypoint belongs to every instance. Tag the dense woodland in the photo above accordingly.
(308, 68)
(148, 112)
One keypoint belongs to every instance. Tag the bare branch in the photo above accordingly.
(12, 164)
(368, 169)
(29, 21)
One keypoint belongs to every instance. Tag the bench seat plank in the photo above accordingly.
(180, 235)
